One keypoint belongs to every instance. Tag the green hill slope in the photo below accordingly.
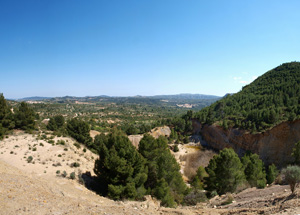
(272, 98)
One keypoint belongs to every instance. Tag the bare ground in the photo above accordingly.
(27, 188)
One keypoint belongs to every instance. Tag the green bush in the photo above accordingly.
(194, 197)
(64, 174)
(77, 145)
(271, 174)
(29, 159)
(175, 148)
(72, 175)
(75, 164)
(292, 176)
(60, 142)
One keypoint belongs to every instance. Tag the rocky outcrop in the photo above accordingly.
(273, 146)
(155, 132)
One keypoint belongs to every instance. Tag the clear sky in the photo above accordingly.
(142, 47)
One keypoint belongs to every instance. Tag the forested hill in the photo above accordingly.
(272, 98)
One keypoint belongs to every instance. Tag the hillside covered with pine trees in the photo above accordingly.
(272, 98)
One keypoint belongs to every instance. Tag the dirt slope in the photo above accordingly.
(27, 188)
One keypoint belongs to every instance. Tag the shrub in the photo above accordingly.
(64, 174)
(65, 149)
(228, 200)
(292, 176)
(175, 149)
(58, 172)
(75, 164)
(41, 144)
(60, 142)
(77, 145)
(72, 175)
(271, 174)
(29, 159)
(194, 197)
(51, 141)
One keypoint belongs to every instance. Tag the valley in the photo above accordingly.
(180, 154)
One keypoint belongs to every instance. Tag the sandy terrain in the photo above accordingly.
(35, 188)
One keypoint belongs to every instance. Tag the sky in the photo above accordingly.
(142, 47)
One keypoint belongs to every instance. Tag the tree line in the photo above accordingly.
(21, 117)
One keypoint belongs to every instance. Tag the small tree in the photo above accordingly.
(120, 168)
(292, 176)
(254, 170)
(80, 130)
(296, 153)
(24, 117)
(225, 172)
(198, 180)
(271, 174)
(56, 123)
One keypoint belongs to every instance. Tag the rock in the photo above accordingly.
(273, 146)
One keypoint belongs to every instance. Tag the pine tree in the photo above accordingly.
(163, 171)
(225, 172)
(24, 117)
(120, 168)
(254, 170)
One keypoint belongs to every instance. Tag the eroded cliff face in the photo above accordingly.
(273, 146)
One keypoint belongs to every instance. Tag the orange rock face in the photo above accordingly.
(273, 146)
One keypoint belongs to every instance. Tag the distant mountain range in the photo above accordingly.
(183, 96)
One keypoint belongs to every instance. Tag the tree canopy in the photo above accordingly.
(120, 168)
(272, 98)
(79, 130)
(164, 179)
(225, 172)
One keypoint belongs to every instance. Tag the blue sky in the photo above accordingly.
(142, 47)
